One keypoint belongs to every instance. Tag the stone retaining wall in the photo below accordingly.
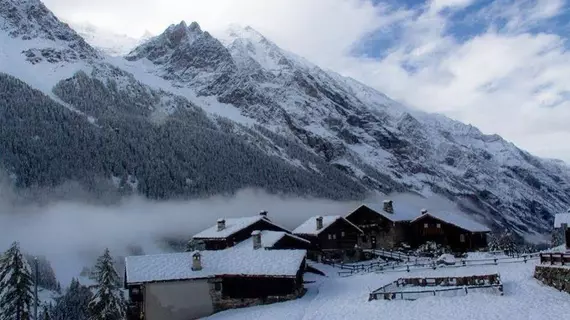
(555, 276)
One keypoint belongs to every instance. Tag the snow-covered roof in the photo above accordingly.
(457, 220)
(310, 226)
(233, 225)
(178, 266)
(561, 218)
(269, 239)
(402, 211)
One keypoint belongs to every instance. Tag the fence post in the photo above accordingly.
(408, 268)
(496, 261)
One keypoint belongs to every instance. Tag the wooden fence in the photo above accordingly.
(555, 258)
(349, 270)
(421, 287)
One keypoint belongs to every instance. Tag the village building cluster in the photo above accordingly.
(247, 261)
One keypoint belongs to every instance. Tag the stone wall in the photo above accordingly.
(554, 276)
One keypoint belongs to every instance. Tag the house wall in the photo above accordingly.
(178, 300)
(292, 243)
(379, 232)
(456, 238)
(338, 235)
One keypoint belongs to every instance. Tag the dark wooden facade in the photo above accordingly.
(429, 228)
(289, 242)
(238, 236)
(261, 287)
(567, 233)
(340, 234)
(379, 231)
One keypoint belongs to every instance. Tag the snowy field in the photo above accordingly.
(347, 298)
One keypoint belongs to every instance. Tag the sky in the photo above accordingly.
(500, 65)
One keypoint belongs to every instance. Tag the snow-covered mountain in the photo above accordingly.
(107, 41)
(186, 114)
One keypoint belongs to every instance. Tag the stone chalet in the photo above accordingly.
(231, 231)
(191, 285)
(562, 225)
(385, 226)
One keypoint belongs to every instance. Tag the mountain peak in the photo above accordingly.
(31, 19)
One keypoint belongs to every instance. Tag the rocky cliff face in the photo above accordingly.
(300, 128)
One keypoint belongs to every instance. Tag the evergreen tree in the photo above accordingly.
(73, 304)
(46, 313)
(16, 296)
(108, 302)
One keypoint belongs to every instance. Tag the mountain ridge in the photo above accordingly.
(346, 138)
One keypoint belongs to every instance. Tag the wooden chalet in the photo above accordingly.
(275, 240)
(458, 232)
(329, 232)
(192, 285)
(562, 226)
(231, 231)
(384, 226)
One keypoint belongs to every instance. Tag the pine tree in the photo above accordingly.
(73, 304)
(16, 296)
(46, 315)
(108, 302)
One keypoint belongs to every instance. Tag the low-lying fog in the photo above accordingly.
(70, 233)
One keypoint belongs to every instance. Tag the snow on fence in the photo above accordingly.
(396, 267)
(555, 258)
(415, 288)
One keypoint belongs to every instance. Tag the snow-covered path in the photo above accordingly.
(347, 298)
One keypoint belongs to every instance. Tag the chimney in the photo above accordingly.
(263, 213)
(256, 235)
(319, 222)
(196, 261)
(388, 206)
(424, 211)
(221, 224)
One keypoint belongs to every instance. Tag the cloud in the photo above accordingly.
(70, 233)
(499, 65)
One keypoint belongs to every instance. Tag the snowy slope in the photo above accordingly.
(312, 131)
(386, 145)
(108, 42)
(347, 298)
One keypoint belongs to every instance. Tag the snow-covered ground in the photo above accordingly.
(347, 298)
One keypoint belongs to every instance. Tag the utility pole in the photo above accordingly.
(36, 288)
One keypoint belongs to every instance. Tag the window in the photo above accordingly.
(330, 236)
(364, 239)
(426, 225)
(461, 238)
(334, 236)
(439, 225)
(218, 286)
(342, 234)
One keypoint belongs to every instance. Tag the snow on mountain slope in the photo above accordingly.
(384, 144)
(107, 41)
(325, 134)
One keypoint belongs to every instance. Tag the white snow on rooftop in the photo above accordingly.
(310, 226)
(269, 239)
(178, 266)
(402, 211)
(561, 218)
(233, 225)
(457, 220)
